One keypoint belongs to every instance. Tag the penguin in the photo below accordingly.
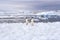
(27, 21)
(32, 21)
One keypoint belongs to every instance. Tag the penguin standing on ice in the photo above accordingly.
(27, 21)
(32, 21)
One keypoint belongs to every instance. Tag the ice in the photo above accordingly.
(21, 31)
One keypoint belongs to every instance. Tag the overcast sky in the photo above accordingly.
(29, 4)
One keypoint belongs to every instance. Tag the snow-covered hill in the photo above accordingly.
(49, 13)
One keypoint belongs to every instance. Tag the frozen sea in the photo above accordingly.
(21, 31)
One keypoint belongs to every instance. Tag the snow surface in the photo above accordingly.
(21, 31)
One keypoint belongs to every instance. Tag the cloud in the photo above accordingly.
(30, 4)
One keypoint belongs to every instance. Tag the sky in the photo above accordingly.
(30, 4)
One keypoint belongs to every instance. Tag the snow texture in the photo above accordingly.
(21, 31)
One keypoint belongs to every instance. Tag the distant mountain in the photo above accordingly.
(28, 12)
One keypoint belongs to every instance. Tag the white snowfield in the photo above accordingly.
(21, 31)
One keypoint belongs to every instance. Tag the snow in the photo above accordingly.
(21, 31)
(49, 13)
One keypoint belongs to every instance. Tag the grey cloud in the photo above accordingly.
(34, 4)
(38, 5)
